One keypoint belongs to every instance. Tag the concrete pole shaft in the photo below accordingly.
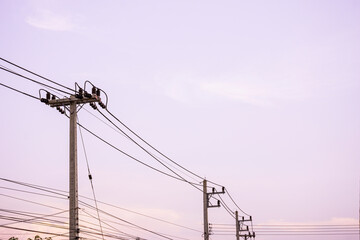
(73, 176)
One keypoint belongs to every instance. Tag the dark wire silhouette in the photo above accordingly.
(183, 179)
(16, 90)
(38, 75)
(152, 146)
(33, 80)
(90, 178)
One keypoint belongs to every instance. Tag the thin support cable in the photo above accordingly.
(90, 178)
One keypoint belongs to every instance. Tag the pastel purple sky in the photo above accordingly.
(260, 96)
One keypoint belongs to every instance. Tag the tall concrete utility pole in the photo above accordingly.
(207, 205)
(73, 176)
(237, 225)
(206, 200)
(73, 101)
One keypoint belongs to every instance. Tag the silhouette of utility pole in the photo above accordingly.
(73, 101)
(206, 205)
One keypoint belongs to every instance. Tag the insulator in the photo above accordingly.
(44, 100)
(219, 203)
(102, 105)
(223, 189)
(98, 92)
(81, 91)
(90, 177)
(53, 97)
(93, 105)
(86, 94)
(247, 228)
(250, 218)
(47, 95)
(62, 111)
(213, 189)
(93, 90)
(58, 108)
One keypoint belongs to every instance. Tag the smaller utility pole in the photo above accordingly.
(245, 233)
(206, 205)
(237, 225)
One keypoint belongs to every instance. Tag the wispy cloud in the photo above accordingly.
(248, 93)
(48, 20)
(256, 92)
(332, 221)
(260, 93)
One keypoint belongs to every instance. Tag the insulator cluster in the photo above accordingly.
(244, 229)
(95, 92)
(49, 97)
(93, 105)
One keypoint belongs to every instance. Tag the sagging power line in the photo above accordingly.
(68, 106)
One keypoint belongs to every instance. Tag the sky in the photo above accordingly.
(258, 96)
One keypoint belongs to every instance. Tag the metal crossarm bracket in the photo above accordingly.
(68, 101)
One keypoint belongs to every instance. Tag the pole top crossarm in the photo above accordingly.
(72, 99)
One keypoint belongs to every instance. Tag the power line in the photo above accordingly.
(38, 75)
(43, 188)
(128, 155)
(25, 220)
(33, 217)
(226, 207)
(235, 203)
(114, 228)
(16, 90)
(23, 191)
(25, 200)
(30, 79)
(132, 224)
(35, 231)
(144, 215)
(183, 179)
(152, 146)
(25, 213)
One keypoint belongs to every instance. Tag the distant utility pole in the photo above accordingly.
(242, 230)
(73, 101)
(237, 225)
(206, 202)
